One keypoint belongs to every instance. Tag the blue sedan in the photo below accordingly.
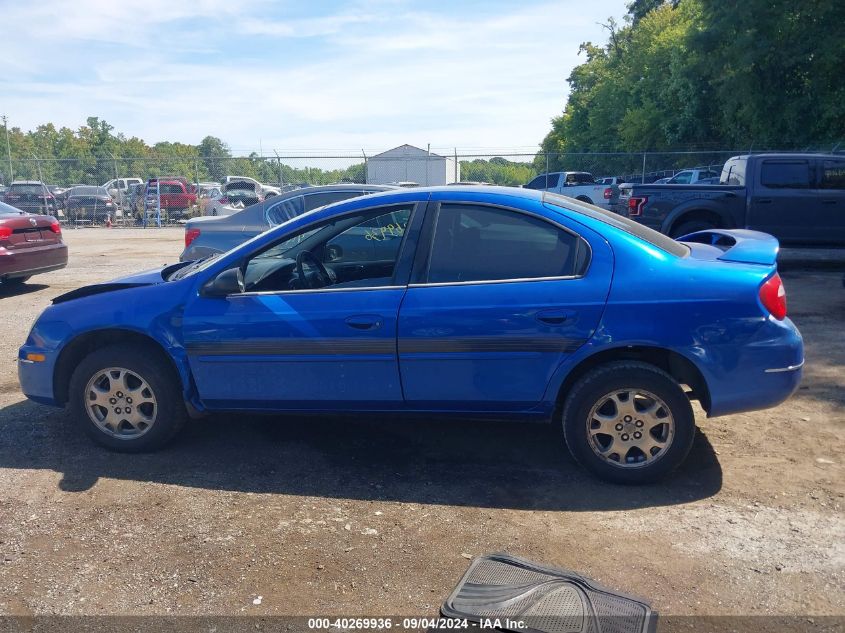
(463, 302)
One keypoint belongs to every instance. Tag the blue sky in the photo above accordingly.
(325, 76)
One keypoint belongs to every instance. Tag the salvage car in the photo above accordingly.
(29, 245)
(89, 204)
(213, 235)
(470, 302)
(235, 196)
(30, 195)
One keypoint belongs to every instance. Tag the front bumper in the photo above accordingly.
(36, 377)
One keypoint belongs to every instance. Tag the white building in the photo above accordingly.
(407, 163)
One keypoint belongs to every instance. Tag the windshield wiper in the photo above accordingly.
(183, 272)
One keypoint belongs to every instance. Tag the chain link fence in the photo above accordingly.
(404, 166)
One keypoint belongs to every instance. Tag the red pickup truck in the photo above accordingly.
(177, 195)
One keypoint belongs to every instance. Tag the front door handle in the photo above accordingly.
(764, 201)
(828, 201)
(364, 321)
(555, 316)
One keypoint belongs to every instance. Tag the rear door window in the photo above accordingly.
(476, 243)
(783, 174)
(579, 179)
(833, 174)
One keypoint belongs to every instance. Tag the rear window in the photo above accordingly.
(170, 188)
(663, 242)
(87, 191)
(285, 210)
(786, 174)
(36, 189)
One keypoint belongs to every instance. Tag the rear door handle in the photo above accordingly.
(555, 316)
(764, 201)
(828, 201)
(364, 321)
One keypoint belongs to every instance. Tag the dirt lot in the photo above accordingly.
(367, 517)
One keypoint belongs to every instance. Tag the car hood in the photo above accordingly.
(146, 278)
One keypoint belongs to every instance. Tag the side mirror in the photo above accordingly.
(229, 282)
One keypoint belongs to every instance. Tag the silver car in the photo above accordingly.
(206, 236)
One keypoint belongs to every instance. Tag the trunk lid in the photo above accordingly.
(28, 231)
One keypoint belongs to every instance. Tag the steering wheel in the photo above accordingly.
(321, 276)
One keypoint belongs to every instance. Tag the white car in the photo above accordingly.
(234, 196)
(579, 185)
(268, 190)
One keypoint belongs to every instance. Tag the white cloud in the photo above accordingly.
(372, 75)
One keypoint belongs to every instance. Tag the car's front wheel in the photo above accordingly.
(127, 399)
(628, 422)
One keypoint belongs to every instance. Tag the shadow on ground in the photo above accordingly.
(461, 463)
(15, 290)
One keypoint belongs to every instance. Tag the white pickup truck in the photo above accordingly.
(579, 185)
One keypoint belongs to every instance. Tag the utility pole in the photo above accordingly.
(8, 149)
(279, 165)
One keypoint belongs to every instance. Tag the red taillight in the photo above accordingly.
(190, 236)
(636, 204)
(5, 231)
(56, 227)
(608, 193)
(223, 200)
(773, 296)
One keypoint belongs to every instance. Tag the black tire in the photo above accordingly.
(592, 388)
(685, 228)
(170, 413)
(584, 199)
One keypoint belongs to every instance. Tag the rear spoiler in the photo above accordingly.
(739, 245)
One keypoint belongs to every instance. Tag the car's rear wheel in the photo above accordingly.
(628, 422)
(126, 399)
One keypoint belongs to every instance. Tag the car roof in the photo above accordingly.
(446, 191)
(27, 182)
(788, 155)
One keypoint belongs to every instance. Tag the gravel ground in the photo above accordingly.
(274, 516)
